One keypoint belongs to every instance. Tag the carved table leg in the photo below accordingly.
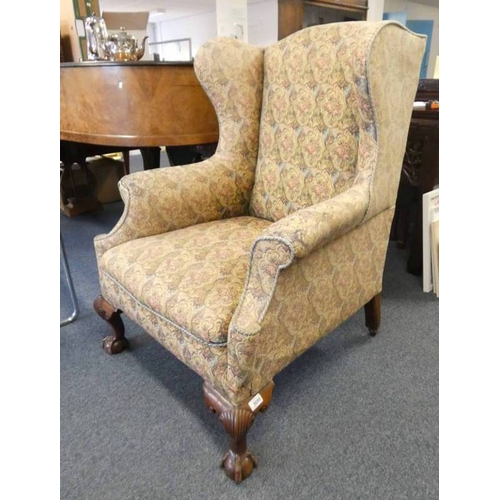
(116, 342)
(238, 462)
(372, 315)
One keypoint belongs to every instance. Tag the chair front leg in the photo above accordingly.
(238, 462)
(116, 341)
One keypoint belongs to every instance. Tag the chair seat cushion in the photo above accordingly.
(192, 277)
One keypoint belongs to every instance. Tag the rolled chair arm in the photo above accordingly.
(294, 237)
(315, 226)
(281, 244)
(165, 199)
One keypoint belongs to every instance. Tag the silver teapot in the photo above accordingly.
(121, 46)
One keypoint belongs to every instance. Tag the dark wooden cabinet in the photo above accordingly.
(419, 175)
(294, 15)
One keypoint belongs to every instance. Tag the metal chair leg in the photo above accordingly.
(69, 280)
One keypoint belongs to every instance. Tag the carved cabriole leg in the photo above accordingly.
(116, 342)
(238, 462)
(372, 315)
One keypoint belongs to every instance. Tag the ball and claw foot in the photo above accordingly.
(238, 463)
(116, 342)
(372, 332)
(238, 467)
(112, 345)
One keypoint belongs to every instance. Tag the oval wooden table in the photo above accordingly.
(118, 106)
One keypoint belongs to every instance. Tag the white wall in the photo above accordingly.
(200, 28)
(375, 10)
(262, 26)
(232, 19)
(416, 11)
(263, 23)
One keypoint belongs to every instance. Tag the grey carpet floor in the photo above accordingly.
(355, 417)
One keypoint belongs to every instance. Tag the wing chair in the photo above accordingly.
(239, 264)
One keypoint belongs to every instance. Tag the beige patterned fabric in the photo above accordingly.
(318, 132)
(303, 302)
(314, 226)
(208, 361)
(191, 278)
(393, 69)
(240, 263)
(165, 199)
(289, 239)
(232, 74)
(316, 114)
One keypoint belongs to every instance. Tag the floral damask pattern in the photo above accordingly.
(315, 106)
(193, 276)
(314, 226)
(291, 238)
(393, 71)
(310, 298)
(209, 361)
(231, 73)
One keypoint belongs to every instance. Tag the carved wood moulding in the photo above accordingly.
(238, 462)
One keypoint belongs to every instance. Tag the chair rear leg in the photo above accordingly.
(116, 341)
(372, 315)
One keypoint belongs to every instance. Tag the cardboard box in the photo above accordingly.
(107, 173)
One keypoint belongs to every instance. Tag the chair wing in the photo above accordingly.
(231, 72)
(166, 199)
(393, 74)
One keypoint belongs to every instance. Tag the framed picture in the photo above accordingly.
(430, 240)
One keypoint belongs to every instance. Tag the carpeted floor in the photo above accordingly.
(353, 418)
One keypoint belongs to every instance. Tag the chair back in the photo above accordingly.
(318, 129)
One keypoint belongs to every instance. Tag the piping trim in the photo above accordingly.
(160, 316)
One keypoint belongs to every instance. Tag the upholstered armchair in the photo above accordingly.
(239, 264)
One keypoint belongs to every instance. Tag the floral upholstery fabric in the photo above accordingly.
(304, 300)
(316, 114)
(240, 263)
(232, 74)
(191, 278)
(207, 360)
(314, 226)
(165, 199)
(393, 68)
(291, 238)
